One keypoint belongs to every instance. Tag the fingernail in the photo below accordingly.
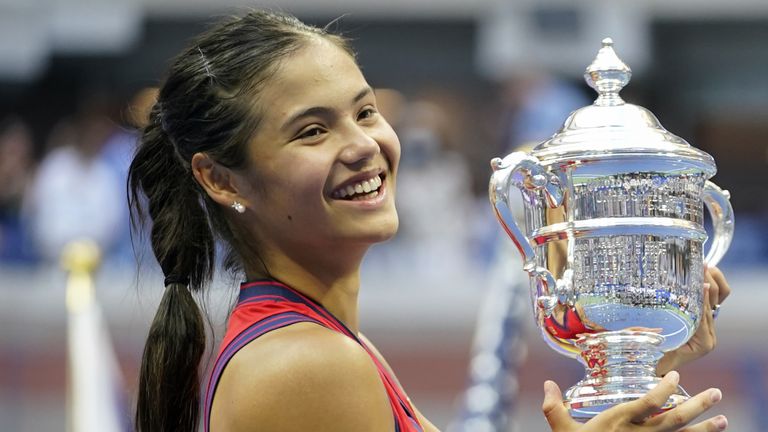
(721, 422)
(707, 285)
(715, 395)
(673, 376)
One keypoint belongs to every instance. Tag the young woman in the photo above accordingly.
(266, 136)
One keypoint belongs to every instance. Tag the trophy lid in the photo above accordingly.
(611, 128)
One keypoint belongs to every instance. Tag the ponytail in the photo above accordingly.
(182, 241)
(169, 393)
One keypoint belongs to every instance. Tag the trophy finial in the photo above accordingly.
(608, 75)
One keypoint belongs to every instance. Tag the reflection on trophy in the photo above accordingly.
(613, 239)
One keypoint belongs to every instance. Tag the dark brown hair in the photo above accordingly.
(208, 103)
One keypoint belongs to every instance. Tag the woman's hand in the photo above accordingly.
(637, 415)
(716, 290)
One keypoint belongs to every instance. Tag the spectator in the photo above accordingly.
(75, 193)
(117, 153)
(16, 171)
(434, 195)
(536, 105)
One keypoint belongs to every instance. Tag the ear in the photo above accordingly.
(222, 184)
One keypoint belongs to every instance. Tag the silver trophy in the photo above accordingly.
(613, 238)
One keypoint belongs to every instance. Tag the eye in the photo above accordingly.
(310, 132)
(366, 113)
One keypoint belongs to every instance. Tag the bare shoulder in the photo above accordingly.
(301, 377)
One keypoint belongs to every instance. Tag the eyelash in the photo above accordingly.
(312, 132)
(370, 111)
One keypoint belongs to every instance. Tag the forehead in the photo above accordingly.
(319, 74)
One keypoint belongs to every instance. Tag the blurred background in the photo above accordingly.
(461, 82)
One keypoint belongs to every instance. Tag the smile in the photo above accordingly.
(363, 190)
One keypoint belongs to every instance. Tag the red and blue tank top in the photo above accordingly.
(264, 306)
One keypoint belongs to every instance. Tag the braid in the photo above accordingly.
(182, 242)
(181, 234)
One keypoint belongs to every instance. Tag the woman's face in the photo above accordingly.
(323, 161)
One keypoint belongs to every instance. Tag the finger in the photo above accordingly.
(722, 283)
(715, 424)
(707, 303)
(708, 321)
(651, 402)
(554, 411)
(714, 290)
(681, 415)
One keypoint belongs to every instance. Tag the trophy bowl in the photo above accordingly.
(612, 239)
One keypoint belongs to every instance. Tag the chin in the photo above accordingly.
(389, 233)
(384, 231)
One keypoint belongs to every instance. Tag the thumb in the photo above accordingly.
(555, 412)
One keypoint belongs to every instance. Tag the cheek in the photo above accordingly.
(296, 181)
(390, 144)
(288, 200)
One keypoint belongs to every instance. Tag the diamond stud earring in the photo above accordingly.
(238, 207)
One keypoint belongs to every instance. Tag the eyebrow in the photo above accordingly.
(320, 110)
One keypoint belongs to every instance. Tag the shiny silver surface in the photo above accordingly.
(613, 238)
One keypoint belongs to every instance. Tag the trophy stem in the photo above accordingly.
(621, 367)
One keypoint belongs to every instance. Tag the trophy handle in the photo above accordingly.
(719, 205)
(525, 172)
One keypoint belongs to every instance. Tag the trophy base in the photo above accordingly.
(621, 367)
(590, 397)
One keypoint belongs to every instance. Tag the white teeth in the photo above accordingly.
(368, 187)
(370, 195)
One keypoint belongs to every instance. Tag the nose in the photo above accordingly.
(359, 146)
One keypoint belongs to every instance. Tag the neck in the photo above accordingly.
(333, 280)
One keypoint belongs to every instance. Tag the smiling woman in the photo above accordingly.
(274, 119)
(266, 135)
